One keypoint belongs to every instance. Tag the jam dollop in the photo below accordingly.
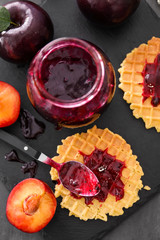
(69, 73)
(27, 167)
(30, 167)
(13, 157)
(151, 81)
(108, 170)
(30, 126)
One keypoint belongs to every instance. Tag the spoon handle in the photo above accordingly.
(19, 144)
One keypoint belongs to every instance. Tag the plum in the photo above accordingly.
(31, 30)
(31, 205)
(108, 12)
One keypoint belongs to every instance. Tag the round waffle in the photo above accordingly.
(116, 146)
(131, 82)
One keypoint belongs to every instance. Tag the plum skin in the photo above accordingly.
(35, 29)
(108, 13)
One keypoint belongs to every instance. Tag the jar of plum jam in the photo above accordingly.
(70, 81)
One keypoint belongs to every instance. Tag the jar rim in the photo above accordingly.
(62, 43)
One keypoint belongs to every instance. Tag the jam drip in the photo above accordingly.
(27, 167)
(108, 171)
(13, 157)
(151, 81)
(30, 167)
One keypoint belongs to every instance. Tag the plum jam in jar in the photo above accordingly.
(70, 81)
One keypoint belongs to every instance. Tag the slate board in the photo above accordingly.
(116, 43)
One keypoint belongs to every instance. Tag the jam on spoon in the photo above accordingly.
(87, 184)
(79, 179)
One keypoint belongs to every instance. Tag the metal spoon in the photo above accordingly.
(74, 176)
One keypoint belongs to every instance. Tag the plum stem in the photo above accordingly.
(15, 24)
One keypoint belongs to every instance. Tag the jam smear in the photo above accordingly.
(27, 167)
(13, 157)
(30, 167)
(68, 73)
(151, 81)
(31, 127)
(108, 171)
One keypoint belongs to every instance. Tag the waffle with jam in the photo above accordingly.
(111, 159)
(140, 81)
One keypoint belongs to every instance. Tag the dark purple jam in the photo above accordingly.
(68, 73)
(27, 167)
(31, 127)
(78, 179)
(108, 171)
(30, 167)
(70, 82)
(151, 81)
(13, 157)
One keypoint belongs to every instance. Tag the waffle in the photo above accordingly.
(131, 82)
(116, 146)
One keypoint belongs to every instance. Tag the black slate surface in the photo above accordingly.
(143, 224)
(155, 5)
(68, 21)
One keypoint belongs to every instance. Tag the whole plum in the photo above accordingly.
(108, 12)
(32, 29)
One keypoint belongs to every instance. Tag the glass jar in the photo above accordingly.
(70, 81)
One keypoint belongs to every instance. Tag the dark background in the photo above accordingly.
(116, 43)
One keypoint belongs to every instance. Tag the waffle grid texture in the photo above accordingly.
(131, 82)
(131, 174)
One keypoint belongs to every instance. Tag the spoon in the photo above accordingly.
(73, 175)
